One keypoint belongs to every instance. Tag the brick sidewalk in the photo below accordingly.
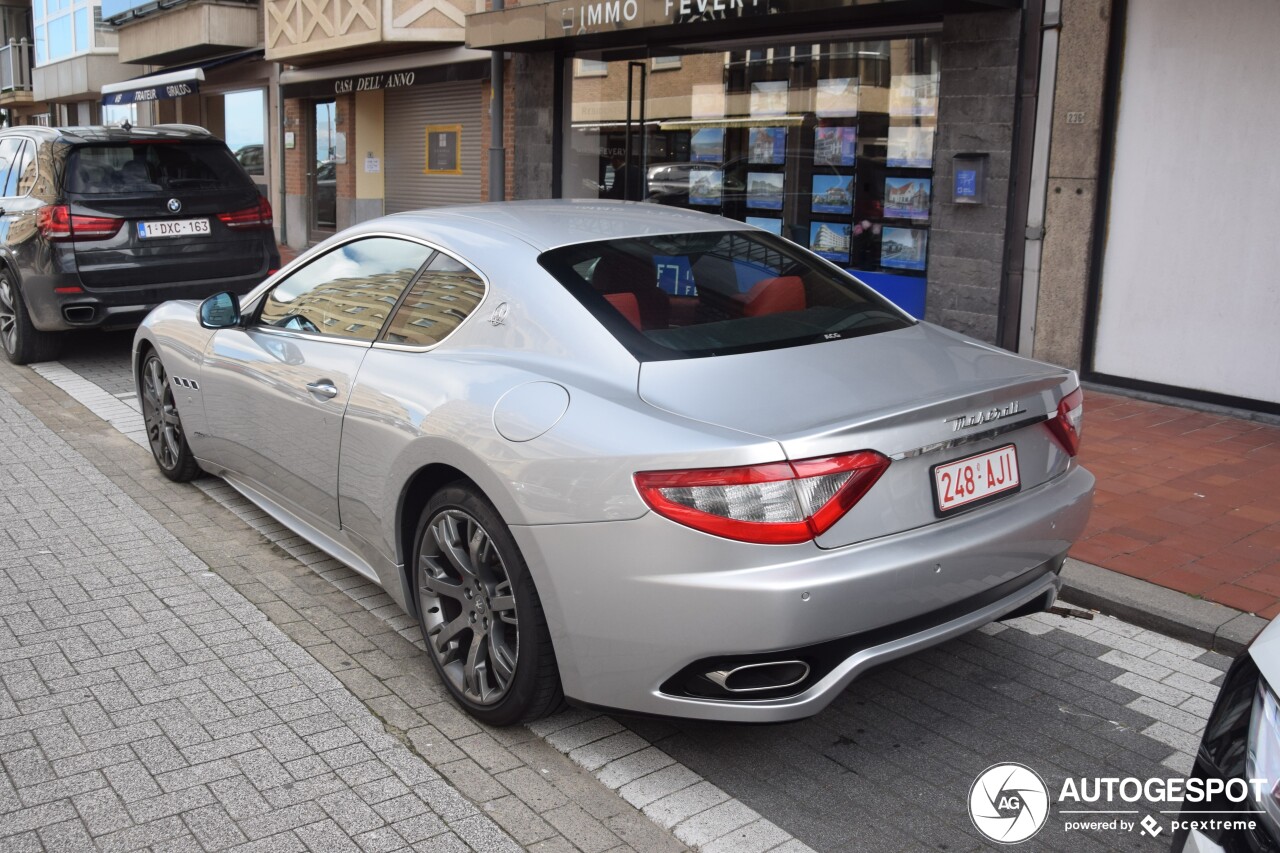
(1185, 499)
(153, 697)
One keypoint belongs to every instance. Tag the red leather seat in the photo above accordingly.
(773, 296)
(618, 273)
(627, 305)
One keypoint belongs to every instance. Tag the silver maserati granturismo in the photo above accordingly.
(627, 456)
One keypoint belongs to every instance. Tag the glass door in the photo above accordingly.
(327, 148)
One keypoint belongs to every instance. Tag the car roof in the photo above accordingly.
(102, 133)
(547, 224)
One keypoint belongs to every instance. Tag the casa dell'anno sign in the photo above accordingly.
(369, 82)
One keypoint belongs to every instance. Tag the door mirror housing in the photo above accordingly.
(220, 311)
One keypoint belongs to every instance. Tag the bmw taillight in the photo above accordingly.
(56, 223)
(1067, 426)
(257, 216)
(779, 503)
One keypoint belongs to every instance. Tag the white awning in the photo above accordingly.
(173, 84)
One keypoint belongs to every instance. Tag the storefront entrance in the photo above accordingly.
(829, 144)
(326, 147)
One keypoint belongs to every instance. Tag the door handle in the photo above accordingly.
(323, 388)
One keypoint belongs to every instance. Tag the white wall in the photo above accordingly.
(1191, 278)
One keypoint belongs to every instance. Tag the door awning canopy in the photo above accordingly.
(157, 87)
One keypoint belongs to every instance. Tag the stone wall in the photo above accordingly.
(532, 125)
(976, 107)
(1073, 182)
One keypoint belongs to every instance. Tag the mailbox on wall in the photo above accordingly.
(969, 178)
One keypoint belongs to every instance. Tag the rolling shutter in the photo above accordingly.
(408, 113)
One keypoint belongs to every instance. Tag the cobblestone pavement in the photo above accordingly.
(156, 692)
(147, 703)
(887, 767)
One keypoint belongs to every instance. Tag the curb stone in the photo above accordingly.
(1203, 623)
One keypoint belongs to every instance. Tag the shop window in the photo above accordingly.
(590, 68)
(244, 128)
(830, 145)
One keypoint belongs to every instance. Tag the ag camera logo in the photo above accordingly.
(1008, 803)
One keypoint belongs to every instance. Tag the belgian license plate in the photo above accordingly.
(174, 228)
(976, 479)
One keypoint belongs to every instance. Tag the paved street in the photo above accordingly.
(178, 669)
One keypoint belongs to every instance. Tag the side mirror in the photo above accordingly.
(220, 311)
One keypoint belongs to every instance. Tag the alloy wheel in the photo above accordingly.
(164, 427)
(468, 608)
(8, 316)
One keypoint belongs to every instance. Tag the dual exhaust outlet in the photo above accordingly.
(758, 677)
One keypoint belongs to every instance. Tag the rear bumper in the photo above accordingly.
(113, 308)
(631, 604)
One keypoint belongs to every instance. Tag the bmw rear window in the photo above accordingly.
(717, 293)
(139, 167)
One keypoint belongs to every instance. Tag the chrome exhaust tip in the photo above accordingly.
(756, 677)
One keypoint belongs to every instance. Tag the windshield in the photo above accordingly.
(716, 293)
(152, 167)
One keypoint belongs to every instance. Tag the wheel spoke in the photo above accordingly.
(504, 666)
(478, 547)
(446, 631)
(155, 373)
(449, 538)
(8, 318)
(474, 674)
(171, 446)
(503, 603)
(432, 581)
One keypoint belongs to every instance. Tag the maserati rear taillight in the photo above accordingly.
(1066, 427)
(257, 216)
(779, 503)
(57, 224)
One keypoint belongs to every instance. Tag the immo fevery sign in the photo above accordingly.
(535, 22)
(604, 15)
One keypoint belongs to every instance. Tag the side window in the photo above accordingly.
(9, 152)
(445, 295)
(347, 292)
(23, 177)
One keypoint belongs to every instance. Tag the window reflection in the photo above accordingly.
(440, 300)
(347, 292)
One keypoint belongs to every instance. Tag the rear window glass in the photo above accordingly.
(152, 167)
(716, 293)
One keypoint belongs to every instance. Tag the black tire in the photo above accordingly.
(164, 425)
(465, 610)
(22, 342)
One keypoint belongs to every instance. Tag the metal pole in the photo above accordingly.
(644, 135)
(497, 153)
(626, 143)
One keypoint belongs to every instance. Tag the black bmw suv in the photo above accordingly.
(100, 224)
